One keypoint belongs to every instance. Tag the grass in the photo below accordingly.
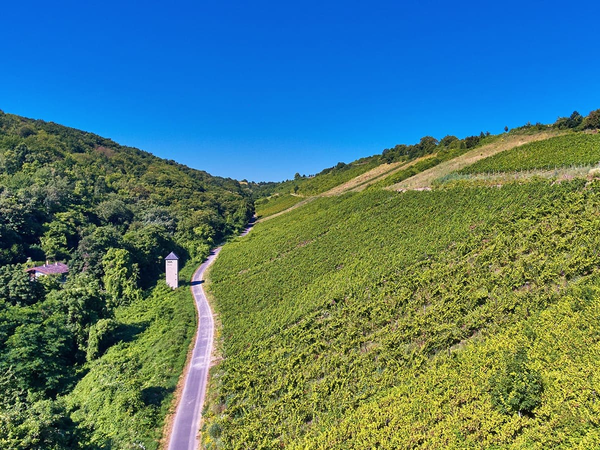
(126, 394)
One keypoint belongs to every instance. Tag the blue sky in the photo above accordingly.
(263, 89)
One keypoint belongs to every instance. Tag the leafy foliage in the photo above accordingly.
(16, 288)
(515, 387)
(112, 213)
(120, 277)
(592, 121)
(136, 360)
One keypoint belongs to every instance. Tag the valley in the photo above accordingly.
(439, 295)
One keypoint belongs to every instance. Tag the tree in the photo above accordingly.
(41, 355)
(427, 144)
(29, 424)
(447, 141)
(93, 246)
(592, 121)
(160, 216)
(16, 287)
(102, 336)
(54, 241)
(114, 211)
(472, 141)
(15, 158)
(81, 303)
(573, 121)
(121, 276)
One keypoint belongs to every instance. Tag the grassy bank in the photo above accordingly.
(123, 399)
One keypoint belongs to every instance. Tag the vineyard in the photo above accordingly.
(272, 205)
(335, 176)
(562, 151)
(400, 320)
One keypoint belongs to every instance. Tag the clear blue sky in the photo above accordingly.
(263, 89)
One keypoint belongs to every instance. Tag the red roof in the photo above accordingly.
(50, 269)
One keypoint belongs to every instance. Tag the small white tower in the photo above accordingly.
(172, 270)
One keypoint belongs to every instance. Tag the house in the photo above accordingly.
(57, 268)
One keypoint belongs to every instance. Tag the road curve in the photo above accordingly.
(186, 423)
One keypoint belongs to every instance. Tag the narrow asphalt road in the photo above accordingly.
(184, 435)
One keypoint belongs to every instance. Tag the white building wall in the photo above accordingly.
(172, 273)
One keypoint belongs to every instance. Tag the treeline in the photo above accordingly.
(111, 213)
(429, 145)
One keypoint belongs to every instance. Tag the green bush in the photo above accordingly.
(102, 336)
(515, 388)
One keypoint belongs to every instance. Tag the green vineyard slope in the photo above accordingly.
(394, 320)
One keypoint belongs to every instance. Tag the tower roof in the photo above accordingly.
(171, 256)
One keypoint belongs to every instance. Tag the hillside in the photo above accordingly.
(403, 167)
(461, 317)
(93, 362)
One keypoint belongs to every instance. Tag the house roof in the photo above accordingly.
(50, 269)
(171, 256)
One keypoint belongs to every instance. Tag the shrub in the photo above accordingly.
(515, 387)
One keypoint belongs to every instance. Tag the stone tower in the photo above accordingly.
(172, 270)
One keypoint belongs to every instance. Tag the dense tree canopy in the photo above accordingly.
(111, 213)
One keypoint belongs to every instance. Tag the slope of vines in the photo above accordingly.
(266, 207)
(561, 151)
(385, 319)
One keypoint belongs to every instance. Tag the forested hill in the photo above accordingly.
(91, 363)
(61, 188)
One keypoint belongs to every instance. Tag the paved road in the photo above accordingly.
(186, 423)
(184, 435)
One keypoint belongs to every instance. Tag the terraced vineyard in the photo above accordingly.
(399, 320)
(280, 202)
(561, 151)
(427, 175)
(325, 181)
